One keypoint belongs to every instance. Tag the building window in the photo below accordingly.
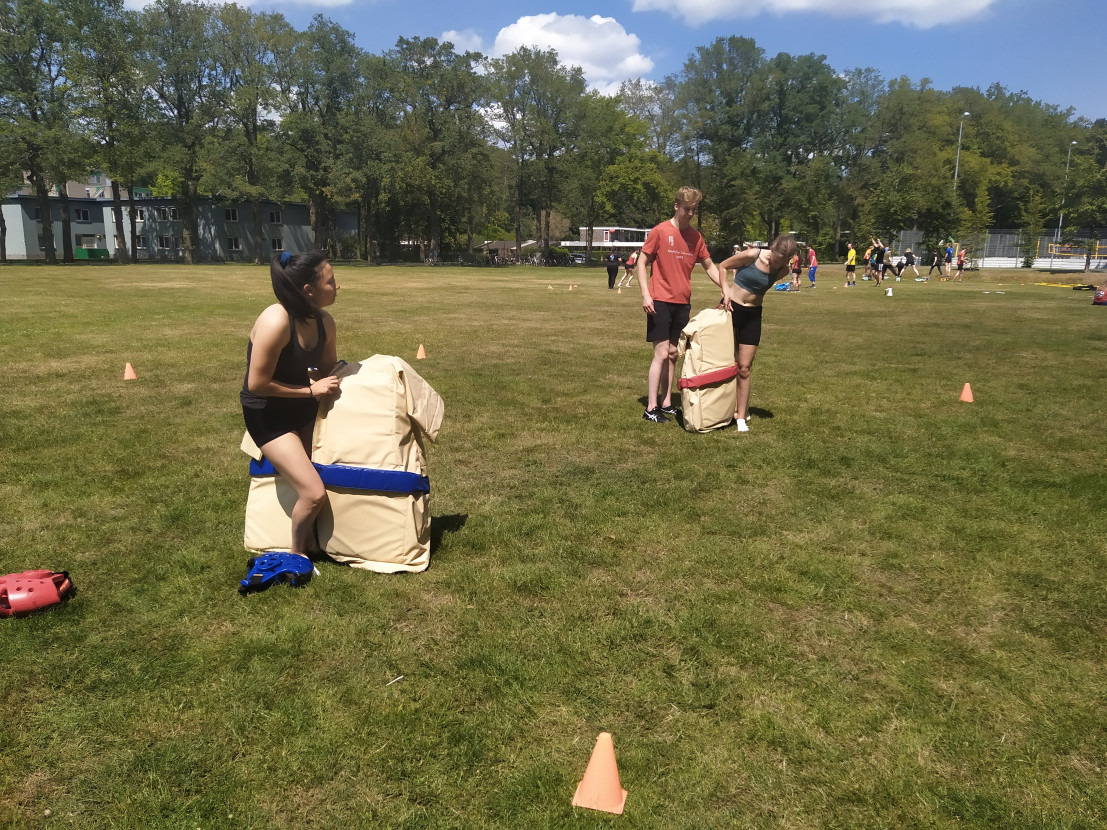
(38, 214)
(607, 236)
(163, 243)
(86, 240)
(168, 213)
(231, 214)
(276, 243)
(173, 215)
(81, 215)
(140, 214)
(94, 178)
(233, 244)
(274, 217)
(177, 243)
(140, 243)
(41, 243)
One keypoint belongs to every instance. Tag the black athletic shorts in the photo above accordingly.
(747, 324)
(279, 416)
(667, 321)
(850, 269)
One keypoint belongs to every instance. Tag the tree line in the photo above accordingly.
(450, 148)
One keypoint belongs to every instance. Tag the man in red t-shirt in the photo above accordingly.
(672, 249)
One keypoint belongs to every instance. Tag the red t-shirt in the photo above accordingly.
(811, 259)
(674, 254)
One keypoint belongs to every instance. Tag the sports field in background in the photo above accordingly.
(881, 608)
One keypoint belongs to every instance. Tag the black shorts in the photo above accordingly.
(280, 416)
(667, 321)
(850, 269)
(747, 325)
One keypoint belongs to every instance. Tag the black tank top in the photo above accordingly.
(292, 364)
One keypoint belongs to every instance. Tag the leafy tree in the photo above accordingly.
(35, 94)
(320, 90)
(536, 114)
(442, 134)
(106, 73)
(243, 160)
(189, 94)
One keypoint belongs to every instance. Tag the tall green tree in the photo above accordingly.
(189, 94)
(243, 160)
(106, 72)
(536, 115)
(320, 91)
(35, 95)
(442, 129)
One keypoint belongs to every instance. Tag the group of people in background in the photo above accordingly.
(944, 257)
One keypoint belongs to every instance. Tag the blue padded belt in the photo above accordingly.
(357, 478)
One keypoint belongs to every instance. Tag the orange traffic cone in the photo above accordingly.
(570, 288)
(129, 373)
(549, 288)
(600, 788)
(620, 291)
(421, 354)
(966, 394)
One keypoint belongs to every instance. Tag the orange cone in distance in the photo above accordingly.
(600, 788)
(129, 373)
(549, 288)
(620, 291)
(421, 354)
(570, 288)
(966, 394)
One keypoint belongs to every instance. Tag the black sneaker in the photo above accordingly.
(655, 415)
(670, 410)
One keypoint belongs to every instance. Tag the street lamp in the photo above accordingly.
(957, 164)
(1064, 187)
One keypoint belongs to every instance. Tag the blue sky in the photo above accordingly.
(1055, 50)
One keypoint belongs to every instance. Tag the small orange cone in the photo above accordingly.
(966, 394)
(421, 354)
(620, 291)
(549, 288)
(570, 288)
(600, 788)
(129, 373)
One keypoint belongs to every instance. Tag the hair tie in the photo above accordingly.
(285, 257)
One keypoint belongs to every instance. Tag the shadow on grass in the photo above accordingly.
(755, 411)
(441, 525)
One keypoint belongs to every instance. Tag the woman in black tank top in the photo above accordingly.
(289, 359)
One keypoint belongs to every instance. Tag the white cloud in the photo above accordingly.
(606, 52)
(921, 13)
(467, 40)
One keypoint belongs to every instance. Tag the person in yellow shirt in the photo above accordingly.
(851, 266)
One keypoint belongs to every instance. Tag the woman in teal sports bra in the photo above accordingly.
(756, 269)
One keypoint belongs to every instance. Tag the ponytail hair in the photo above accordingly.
(290, 273)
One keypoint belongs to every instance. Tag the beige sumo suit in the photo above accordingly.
(368, 448)
(708, 377)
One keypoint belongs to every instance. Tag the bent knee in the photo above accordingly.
(314, 497)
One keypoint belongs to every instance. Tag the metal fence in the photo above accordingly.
(1009, 248)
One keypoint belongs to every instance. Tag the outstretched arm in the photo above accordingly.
(718, 276)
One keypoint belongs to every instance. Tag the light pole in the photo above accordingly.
(1064, 187)
(957, 164)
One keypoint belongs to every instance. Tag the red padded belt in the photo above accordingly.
(708, 378)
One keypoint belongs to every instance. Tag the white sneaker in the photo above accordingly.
(742, 425)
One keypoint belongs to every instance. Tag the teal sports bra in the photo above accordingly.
(753, 279)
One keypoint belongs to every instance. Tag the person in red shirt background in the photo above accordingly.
(812, 264)
(664, 271)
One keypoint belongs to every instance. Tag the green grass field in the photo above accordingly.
(881, 608)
